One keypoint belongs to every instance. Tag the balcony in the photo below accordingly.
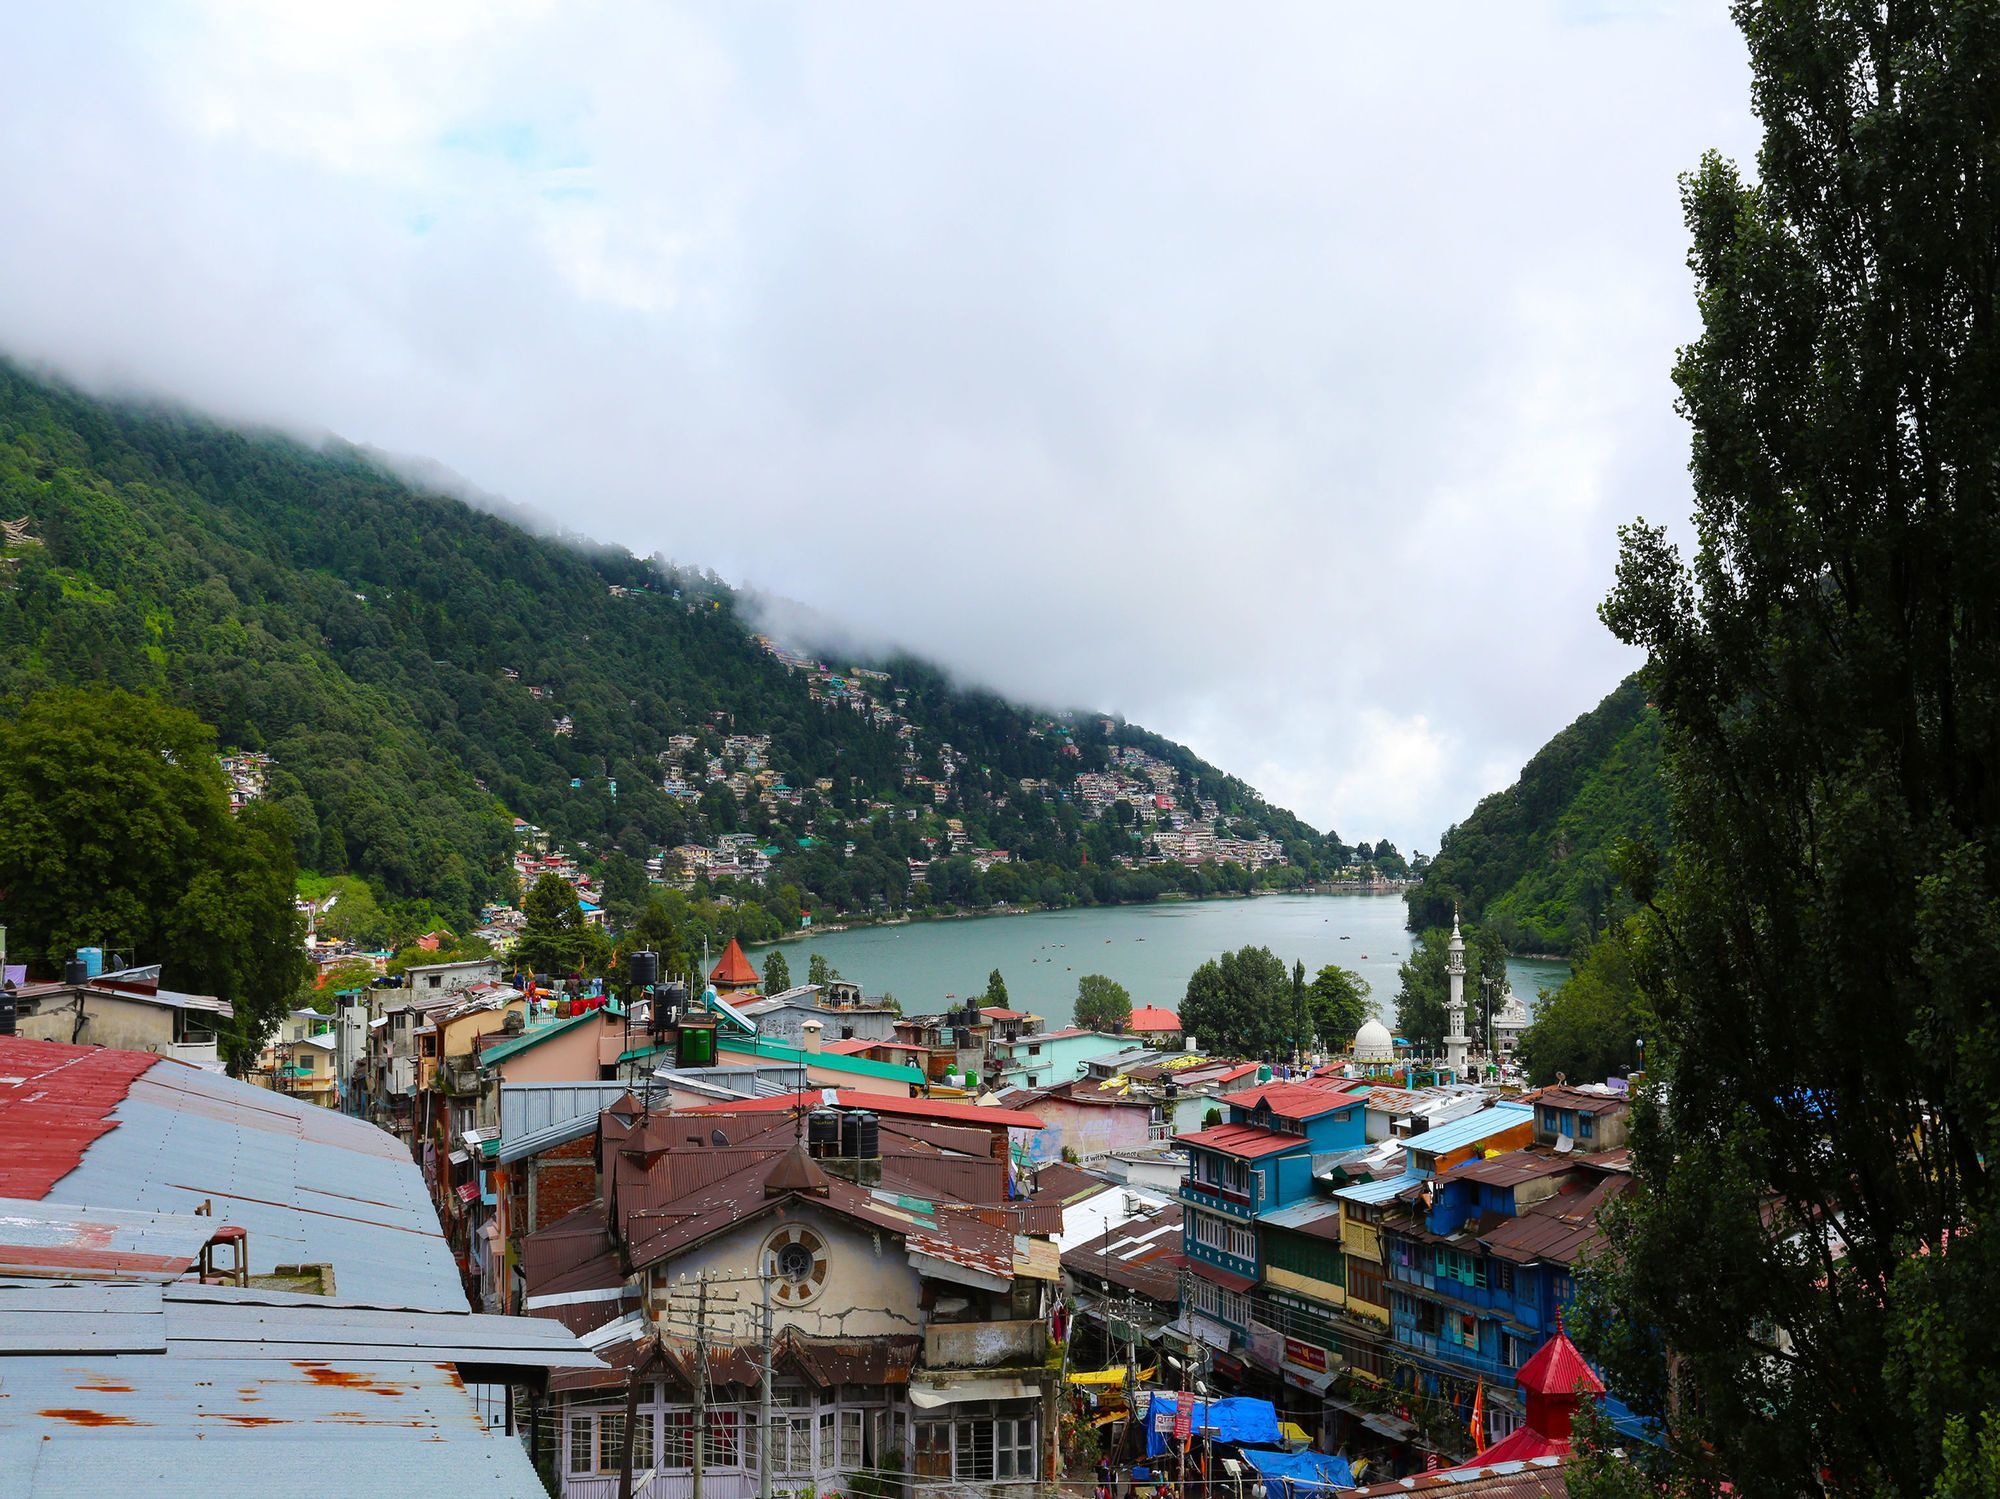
(986, 1345)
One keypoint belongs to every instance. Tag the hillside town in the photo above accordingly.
(801, 1242)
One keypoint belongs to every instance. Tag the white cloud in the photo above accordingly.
(1275, 377)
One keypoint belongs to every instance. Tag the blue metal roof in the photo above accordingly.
(539, 1116)
(1302, 1214)
(1382, 1189)
(1470, 1129)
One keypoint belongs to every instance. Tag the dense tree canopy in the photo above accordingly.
(1241, 1003)
(421, 671)
(554, 937)
(777, 972)
(1590, 1027)
(1812, 1233)
(1336, 1005)
(115, 831)
(1102, 1004)
(1536, 861)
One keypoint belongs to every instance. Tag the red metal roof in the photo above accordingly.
(996, 1012)
(55, 1100)
(733, 967)
(941, 1109)
(1297, 1100)
(1153, 1018)
(1247, 1140)
(1237, 1283)
(1557, 1369)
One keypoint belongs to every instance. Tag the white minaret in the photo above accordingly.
(1455, 1039)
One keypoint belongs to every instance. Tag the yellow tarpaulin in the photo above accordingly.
(1107, 1376)
(1290, 1431)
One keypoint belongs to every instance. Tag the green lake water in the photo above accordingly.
(1149, 949)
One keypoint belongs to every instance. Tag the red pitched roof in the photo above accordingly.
(1153, 1018)
(733, 967)
(1247, 1140)
(1557, 1369)
(997, 1012)
(1297, 1100)
(942, 1110)
(55, 1100)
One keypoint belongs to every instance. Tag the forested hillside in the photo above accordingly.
(1533, 861)
(422, 672)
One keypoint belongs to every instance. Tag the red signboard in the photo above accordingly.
(1184, 1417)
(1305, 1356)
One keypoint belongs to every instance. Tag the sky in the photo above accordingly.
(1276, 375)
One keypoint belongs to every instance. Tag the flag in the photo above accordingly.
(1432, 1462)
(1479, 1417)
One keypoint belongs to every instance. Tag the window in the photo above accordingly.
(1206, 1297)
(1014, 1448)
(1463, 1329)
(798, 1455)
(721, 1440)
(825, 1440)
(580, 1453)
(852, 1446)
(678, 1451)
(433, 980)
(1502, 1275)
(610, 1441)
(933, 1454)
(1364, 1281)
(1584, 1126)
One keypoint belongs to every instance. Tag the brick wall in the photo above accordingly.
(566, 1180)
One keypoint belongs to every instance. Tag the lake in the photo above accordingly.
(1150, 949)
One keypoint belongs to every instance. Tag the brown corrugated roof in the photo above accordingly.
(1557, 1229)
(1535, 1478)
(1513, 1168)
(1143, 1256)
(1577, 1098)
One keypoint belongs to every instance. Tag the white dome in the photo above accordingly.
(1373, 1043)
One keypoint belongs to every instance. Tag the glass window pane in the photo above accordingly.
(580, 1444)
(610, 1440)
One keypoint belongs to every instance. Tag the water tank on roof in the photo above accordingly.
(643, 969)
(696, 1048)
(76, 971)
(867, 1137)
(92, 959)
(849, 1133)
(823, 1132)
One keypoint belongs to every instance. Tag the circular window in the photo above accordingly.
(795, 1259)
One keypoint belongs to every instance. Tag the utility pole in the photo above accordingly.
(764, 1399)
(700, 1378)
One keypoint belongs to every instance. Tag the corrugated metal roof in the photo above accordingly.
(62, 1239)
(1311, 1216)
(307, 1184)
(118, 1387)
(1470, 1129)
(1380, 1190)
(539, 1116)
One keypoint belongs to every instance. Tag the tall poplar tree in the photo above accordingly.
(1811, 1241)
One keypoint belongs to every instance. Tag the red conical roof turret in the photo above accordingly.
(733, 970)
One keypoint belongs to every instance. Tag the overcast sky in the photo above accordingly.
(1276, 376)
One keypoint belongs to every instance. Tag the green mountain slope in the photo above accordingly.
(421, 672)
(1533, 861)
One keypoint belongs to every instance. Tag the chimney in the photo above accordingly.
(809, 1035)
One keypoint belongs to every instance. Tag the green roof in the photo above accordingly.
(859, 1066)
(530, 1038)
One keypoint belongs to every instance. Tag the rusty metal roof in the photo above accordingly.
(1530, 1478)
(111, 1385)
(1143, 1256)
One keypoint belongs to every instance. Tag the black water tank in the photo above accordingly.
(669, 1000)
(867, 1137)
(849, 1134)
(9, 1008)
(823, 1132)
(76, 971)
(643, 969)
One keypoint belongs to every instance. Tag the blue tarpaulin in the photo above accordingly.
(1234, 1420)
(1287, 1474)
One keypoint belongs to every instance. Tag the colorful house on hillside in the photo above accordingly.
(1047, 1057)
(1257, 1162)
(733, 974)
